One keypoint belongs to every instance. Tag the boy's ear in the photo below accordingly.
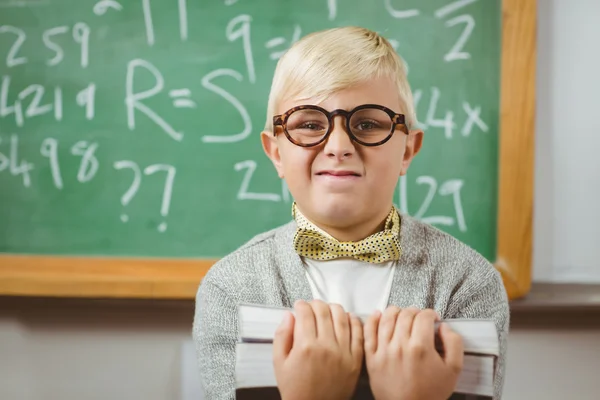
(414, 141)
(271, 148)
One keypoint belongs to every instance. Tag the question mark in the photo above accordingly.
(135, 185)
(167, 191)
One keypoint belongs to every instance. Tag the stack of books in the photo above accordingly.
(255, 376)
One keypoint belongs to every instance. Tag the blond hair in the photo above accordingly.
(324, 62)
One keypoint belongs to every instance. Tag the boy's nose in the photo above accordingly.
(338, 144)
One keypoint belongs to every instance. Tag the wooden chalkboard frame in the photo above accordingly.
(32, 275)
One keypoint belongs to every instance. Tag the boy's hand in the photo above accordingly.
(401, 358)
(318, 353)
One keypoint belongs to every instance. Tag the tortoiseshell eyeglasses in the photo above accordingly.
(367, 124)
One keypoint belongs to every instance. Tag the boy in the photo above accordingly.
(338, 130)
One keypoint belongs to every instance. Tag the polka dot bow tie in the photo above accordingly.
(313, 243)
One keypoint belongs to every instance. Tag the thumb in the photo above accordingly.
(284, 338)
(453, 348)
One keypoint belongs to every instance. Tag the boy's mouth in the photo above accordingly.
(338, 173)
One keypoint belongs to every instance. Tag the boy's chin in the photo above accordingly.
(338, 209)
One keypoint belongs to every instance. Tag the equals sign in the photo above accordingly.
(181, 98)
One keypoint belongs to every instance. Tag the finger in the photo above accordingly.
(341, 325)
(423, 329)
(404, 324)
(387, 324)
(283, 338)
(370, 332)
(305, 327)
(453, 348)
(357, 336)
(323, 320)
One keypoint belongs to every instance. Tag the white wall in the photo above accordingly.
(555, 361)
(82, 350)
(567, 193)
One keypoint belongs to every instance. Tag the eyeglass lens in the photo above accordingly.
(369, 125)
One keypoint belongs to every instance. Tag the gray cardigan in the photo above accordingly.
(435, 271)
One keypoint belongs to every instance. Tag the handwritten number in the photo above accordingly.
(81, 35)
(233, 32)
(86, 98)
(453, 187)
(448, 188)
(447, 122)
(5, 109)
(12, 60)
(17, 168)
(427, 180)
(456, 52)
(35, 108)
(51, 45)
(243, 193)
(49, 149)
(89, 163)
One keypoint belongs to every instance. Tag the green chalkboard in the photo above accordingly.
(131, 127)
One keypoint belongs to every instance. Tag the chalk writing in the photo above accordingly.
(167, 191)
(89, 163)
(400, 14)
(5, 108)
(332, 9)
(133, 187)
(239, 27)
(452, 7)
(86, 98)
(181, 98)
(12, 58)
(49, 149)
(137, 181)
(35, 101)
(14, 164)
(244, 193)
(447, 120)
(133, 100)
(183, 25)
(148, 22)
(280, 40)
(209, 85)
(473, 118)
(451, 187)
(143, 104)
(456, 52)
(81, 35)
(47, 37)
(102, 7)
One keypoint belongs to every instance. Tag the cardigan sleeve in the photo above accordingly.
(215, 334)
(484, 297)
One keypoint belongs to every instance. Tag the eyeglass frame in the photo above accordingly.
(397, 119)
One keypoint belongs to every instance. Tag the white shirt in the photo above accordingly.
(358, 286)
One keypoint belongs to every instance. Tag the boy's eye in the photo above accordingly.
(311, 126)
(369, 126)
(366, 125)
(372, 122)
(307, 122)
